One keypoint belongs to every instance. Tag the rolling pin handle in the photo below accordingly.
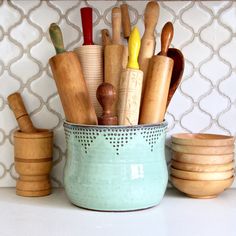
(166, 37)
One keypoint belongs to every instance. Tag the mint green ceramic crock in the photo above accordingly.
(115, 168)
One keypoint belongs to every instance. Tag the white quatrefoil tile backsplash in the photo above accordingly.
(205, 31)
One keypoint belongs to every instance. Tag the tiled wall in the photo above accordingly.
(204, 31)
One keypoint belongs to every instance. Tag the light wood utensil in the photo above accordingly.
(148, 41)
(157, 84)
(33, 153)
(17, 105)
(202, 159)
(201, 188)
(113, 54)
(202, 139)
(190, 175)
(130, 84)
(202, 168)
(70, 82)
(106, 96)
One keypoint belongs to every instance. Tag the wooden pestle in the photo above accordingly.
(148, 41)
(17, 105)
(106, 95)
(70, 82)
(113, 54)
(130, 88)
(156, 90)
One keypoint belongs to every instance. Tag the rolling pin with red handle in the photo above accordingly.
(130, 88)
(17, 105)
(87, 24)
(148, 41)
(71, 86)
(157, 85)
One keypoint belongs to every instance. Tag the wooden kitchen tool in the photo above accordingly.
(148, 41)
(106, 96)
(113, 54)
(158, 81)
(17, 105)
(70, 83)
(105, 37)
(33, 153)
(130, 84)
(87, 23)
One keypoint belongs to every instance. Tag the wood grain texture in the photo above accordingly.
(148, 41)
(125, 20)
(72, 89)
(106, 40)
(33, 162)
(130, 96)
(116, 25)
(17, 105)
(156, 90)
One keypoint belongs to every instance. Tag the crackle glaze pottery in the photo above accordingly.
(115, 168)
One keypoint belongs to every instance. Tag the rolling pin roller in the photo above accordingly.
(130, 84)
(157, 85)
(70, 82)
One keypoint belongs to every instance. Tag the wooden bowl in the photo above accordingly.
(201, 175)
(201, 188)
(202, 159)
(202, 168)
(203, 139)
(206, 150)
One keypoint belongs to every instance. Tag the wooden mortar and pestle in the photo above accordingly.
(33, 150)
(71, 86)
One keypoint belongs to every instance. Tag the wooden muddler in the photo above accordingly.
(17, 105)
(113, 54)
(71, 86)
(130, 84)
(148, 41)
(158, 81)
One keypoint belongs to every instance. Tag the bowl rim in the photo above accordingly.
(163, 124)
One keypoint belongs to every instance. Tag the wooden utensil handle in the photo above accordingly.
(151, 16)
(116, 25)
(105, 37)
(56, 37)
(125, 20)
(166, 37)
(17, 105)
(87, 24)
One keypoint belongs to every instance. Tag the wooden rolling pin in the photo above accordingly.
(148, 41)
(105, 37)
(130, 84)
(113, 54)
(158, 81)
(70, 82)
(106, 95)
(87, 24)
(17, 105)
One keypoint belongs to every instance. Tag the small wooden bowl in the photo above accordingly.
(189, 175)
(202, 159)
(199, 139)
(206, 150)
(201, 188)
(202, 168)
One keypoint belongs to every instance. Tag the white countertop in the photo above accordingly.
(177, 215)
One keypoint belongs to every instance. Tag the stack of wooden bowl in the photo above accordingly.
(202, 165)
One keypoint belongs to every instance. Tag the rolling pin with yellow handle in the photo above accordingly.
(17, 105)
(71, 86)
(113, 54)
(156, 90)
(130, 84)
(148, 41)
